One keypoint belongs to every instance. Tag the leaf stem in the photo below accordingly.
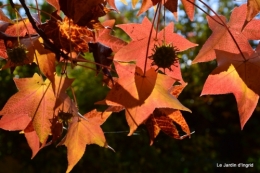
(38, 11)
(149, 39)
(158, 20)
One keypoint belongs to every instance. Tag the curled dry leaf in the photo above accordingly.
(162, 120)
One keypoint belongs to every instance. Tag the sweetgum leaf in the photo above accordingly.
(239, 76)
(163, 118)
(83, 132)
(220, 38)
(136, 49)
(140, 95)
(33, 139)
(22, 28)
(251, 30)
(35, 99)
(13, 122)
(107, 39)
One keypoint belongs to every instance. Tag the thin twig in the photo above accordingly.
(158, 20)
(47, 42)
(149, 39)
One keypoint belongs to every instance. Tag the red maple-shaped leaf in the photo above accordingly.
(221, 38)
(105, 38)
(140, 94)
(162, 119)
(136, 49)
(251, 30)
(22, 28)
(22, 122)
(37, 100)
(238, 75)
(82, 132)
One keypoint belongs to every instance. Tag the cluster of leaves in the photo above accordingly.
(148, 77)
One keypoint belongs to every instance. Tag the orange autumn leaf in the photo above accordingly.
(37, 100)
(140, 95)
(251, 30)
(22, 28)
(220, 38)
(162, 119)
(82, 132)
(136, 49)
(33, 139)
(45, 59)
(238, 75)
(107, 39)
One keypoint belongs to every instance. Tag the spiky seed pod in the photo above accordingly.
(164, 56)
(18, 54)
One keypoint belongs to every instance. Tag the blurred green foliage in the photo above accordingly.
(217, 139)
